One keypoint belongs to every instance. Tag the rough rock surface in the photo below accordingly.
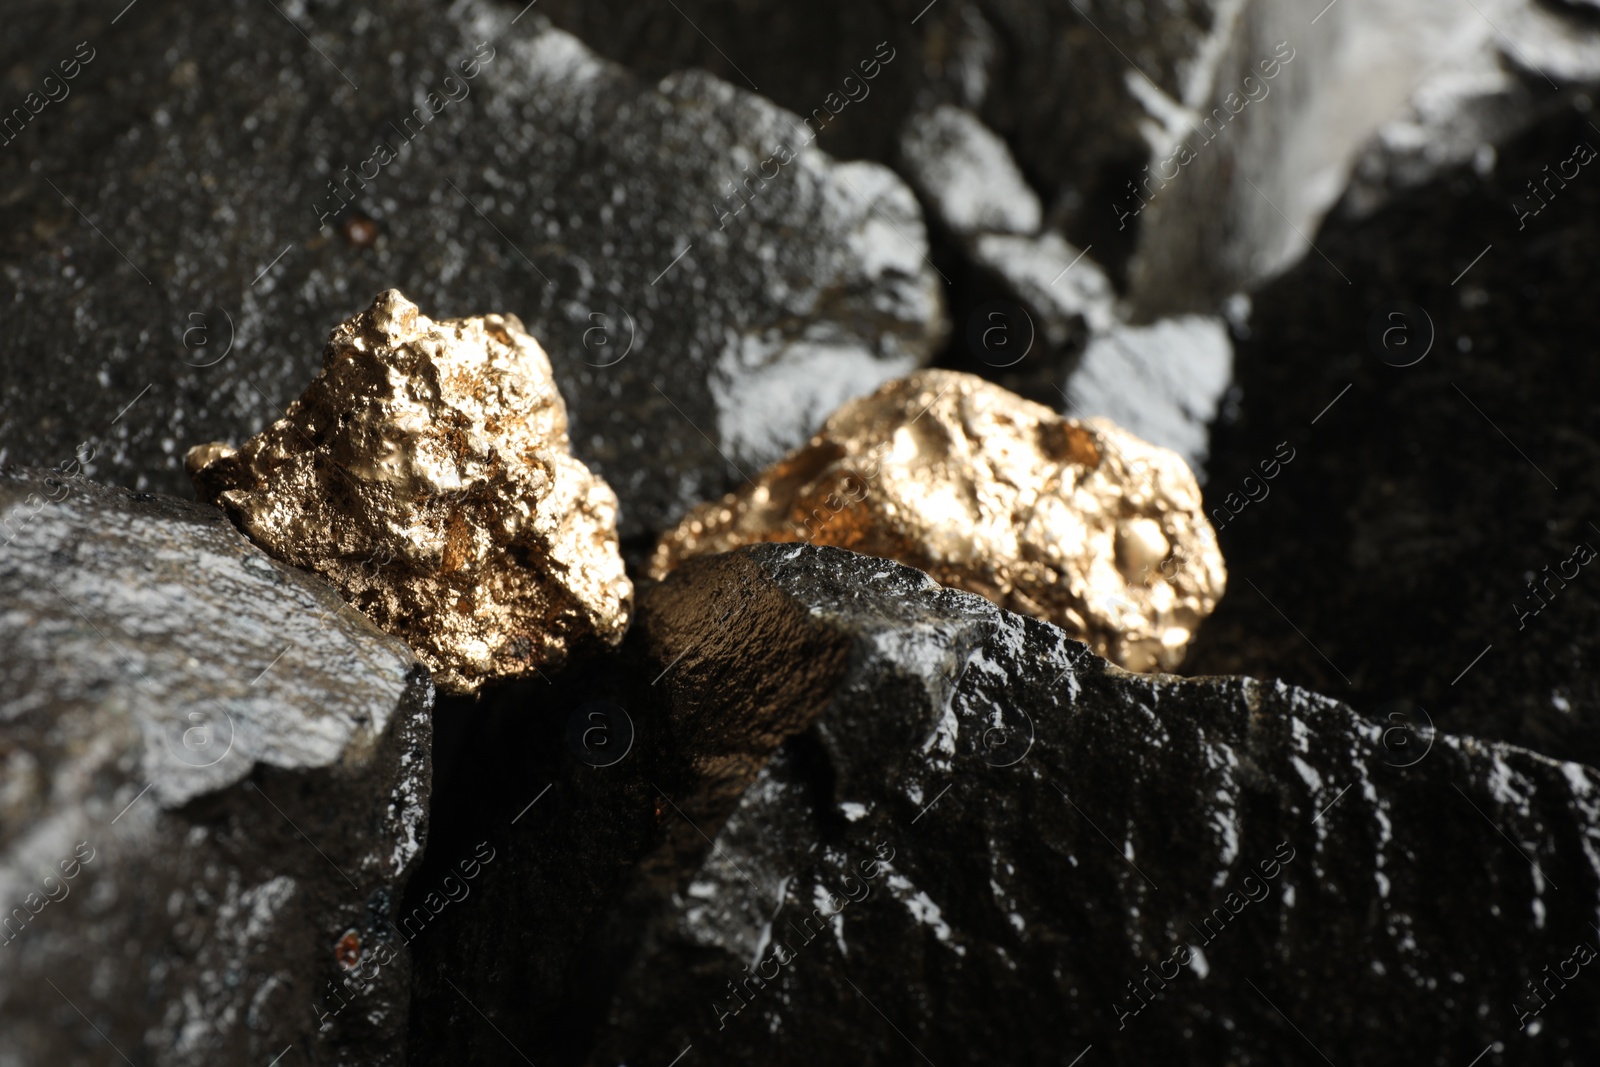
(1400, 543)
(987, 800)
(1003, 835)
(976, 197)
(214, 778)
(1081, 524)
(603, 211)
(967, 174)
(426, 473)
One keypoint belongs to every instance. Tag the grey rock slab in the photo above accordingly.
(1061, 284)
(214, 771)
(223, 185)
(991, 846)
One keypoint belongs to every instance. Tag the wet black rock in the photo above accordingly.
(930, 828)
(214, 779)
(225, 184)
(1441, 414)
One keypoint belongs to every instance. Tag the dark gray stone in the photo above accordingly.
(1164, 382)
(216, 769)
(967, 175)
(202, 144)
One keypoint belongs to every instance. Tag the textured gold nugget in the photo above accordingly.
(426, 473)
(1079, 524)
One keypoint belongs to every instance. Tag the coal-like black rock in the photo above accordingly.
(1389, 562)
(214, 782)
(215, 194)
(933, 829)
(1053, 826)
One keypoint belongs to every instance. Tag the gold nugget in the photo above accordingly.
(1077, 523)
(426, 473)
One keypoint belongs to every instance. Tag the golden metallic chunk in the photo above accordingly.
(1079, 524)
(426, 473)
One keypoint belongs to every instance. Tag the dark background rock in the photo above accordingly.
(186, 709)
(1081, 90)
(198, 141)
(1418, 507)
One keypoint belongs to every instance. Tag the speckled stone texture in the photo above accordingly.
(1000, 832)
(206, 142)
(212, 771)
